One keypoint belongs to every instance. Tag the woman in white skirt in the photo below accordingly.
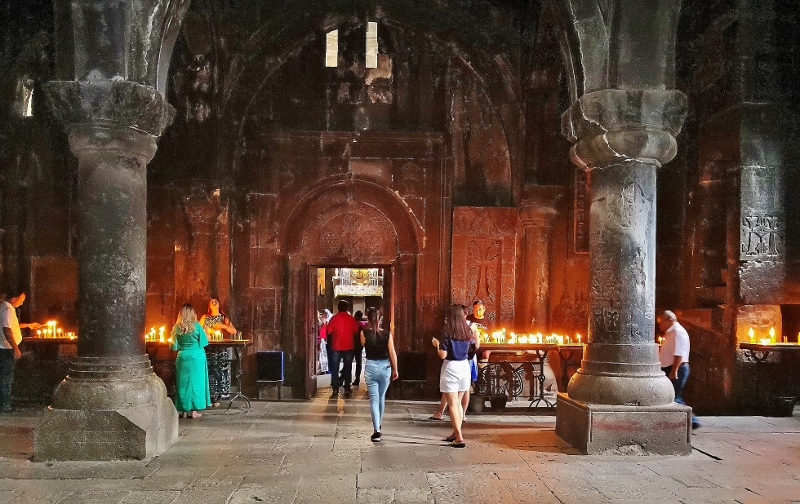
(454, 379)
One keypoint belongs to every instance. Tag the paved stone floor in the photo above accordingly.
(320, 451)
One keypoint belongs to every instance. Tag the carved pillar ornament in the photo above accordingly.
(537, 210)
(623, 137)
(112, 129)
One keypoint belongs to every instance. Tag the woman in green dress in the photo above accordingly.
(191, 371)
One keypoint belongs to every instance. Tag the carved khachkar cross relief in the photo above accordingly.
(483, 264)
(760, 237)
(482, 268)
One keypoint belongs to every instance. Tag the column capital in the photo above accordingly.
(539, 204)
(615, 126)
(109, 104)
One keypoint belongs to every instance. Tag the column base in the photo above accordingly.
(107, 409)
(135, 433)
(624, 430)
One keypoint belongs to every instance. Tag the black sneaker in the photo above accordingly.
(335, 394)
(376, 437)
(348, 392)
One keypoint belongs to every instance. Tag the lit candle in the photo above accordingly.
(752, 335)
(772, 335)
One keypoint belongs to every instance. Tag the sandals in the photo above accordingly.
(460, 444)
(438, 419)
(449, 439)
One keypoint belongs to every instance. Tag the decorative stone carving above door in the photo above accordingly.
(350, 233)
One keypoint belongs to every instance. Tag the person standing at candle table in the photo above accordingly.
(191, 369)
(478, 310)
(454, 378)
(674, 355)
(9, 345)
(216, 321)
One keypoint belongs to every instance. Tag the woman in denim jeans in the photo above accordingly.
(380, 369)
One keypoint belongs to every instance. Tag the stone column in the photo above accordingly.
(112, 405)
(538, 208)
(619, 399)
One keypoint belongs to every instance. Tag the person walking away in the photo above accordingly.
(9, 346)
(381, 367)
(342, 328)
(191, 369)
(674, 355)
(454, 379)
(358, 348)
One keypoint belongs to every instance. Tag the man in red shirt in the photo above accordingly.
(341, 330)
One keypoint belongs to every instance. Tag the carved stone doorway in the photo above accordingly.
(347, 224)
(329, 284)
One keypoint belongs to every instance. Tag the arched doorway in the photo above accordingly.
(346, 222)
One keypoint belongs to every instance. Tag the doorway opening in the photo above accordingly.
(363, 287)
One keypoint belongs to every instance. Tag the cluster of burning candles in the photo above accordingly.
(512, 338)
(51, 330)
(157, 335)
(770, 340)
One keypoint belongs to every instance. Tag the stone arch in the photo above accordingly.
(343, 221)
(353, 212)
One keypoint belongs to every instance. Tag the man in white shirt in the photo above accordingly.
(674, 355)
(9, 346)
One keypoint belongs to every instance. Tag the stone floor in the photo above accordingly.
(320, 451)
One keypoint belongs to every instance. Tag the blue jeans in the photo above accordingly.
(377, 374)
(7, 363)
(678, 384)
(337, 357)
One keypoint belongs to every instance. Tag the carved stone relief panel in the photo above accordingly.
(483, 259)
(760, 237)
(580, 212)
(351, 233)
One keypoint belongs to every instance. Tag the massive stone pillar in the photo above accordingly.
(538, 208)
(619, 399)
(112, 405)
